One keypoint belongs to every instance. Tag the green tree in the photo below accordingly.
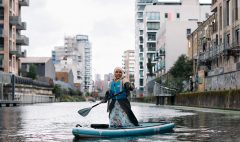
(32, 72)
(57, 91)
(181, 71)
(182, 68)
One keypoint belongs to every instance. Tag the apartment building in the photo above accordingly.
(215, 48)
(75, 55)
(11, 39)
(129, 64)
(139, 27)
(164, 30)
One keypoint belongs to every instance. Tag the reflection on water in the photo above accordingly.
(54, 122)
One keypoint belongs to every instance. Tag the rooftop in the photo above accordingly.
(35, 59)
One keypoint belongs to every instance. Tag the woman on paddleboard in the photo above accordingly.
(119, 108)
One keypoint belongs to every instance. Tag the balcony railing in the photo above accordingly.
(211, 53)
(22, 26)
(15, 20)
(151, 48)
(24, 2)
(16, 52)
(236, 44)
(233, 49)
(22, 40)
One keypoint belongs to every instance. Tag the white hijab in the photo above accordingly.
(123, 78)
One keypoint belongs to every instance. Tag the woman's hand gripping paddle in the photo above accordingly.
(84, 112)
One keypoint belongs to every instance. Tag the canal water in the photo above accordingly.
(53, 122)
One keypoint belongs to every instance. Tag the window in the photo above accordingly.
(236, 9)
(1, 43)
(166, 15)
(140, 15)
(1, 14)
(1, 61)
(141, 48)
(228, 12)
(228, 40)
(178, 15)
(141, 73)
(220, 18)
(151, 36)
(141, 32)
(141, 82)
(141, 39)
(151, 46)
(188, 31)
(153, 16)
(141, 65)
(153, 25)
(141, 56)
(237, 36)
(206, 15)
(141, 7)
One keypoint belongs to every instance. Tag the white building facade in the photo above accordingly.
(75, 55)
(129, 64)
(139, 27)
(176, 17)
(85, 47)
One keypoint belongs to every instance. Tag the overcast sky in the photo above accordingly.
(108, 23)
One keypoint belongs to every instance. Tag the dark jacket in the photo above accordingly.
(124, 103)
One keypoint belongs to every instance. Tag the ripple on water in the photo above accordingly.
(54, 122)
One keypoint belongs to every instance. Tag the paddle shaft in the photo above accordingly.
(107, 99)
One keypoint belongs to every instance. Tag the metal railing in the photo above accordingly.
(159, 90)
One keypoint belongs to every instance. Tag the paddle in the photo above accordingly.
(84, 112)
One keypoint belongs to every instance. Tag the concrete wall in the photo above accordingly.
(29, 94)
(224, 81)
(50, 69)
(212, 99)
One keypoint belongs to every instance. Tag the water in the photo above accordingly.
(53, 123)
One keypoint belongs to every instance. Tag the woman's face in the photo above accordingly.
(118, 74)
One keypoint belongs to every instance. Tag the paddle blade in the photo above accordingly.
(84, 112)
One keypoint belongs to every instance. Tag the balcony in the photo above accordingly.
(16, 52)
(22, 40)
(151, 49)
(15, 20)
(232, 50)
(217, 50)
(22, 26)
(24, 2)
(162, 52)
